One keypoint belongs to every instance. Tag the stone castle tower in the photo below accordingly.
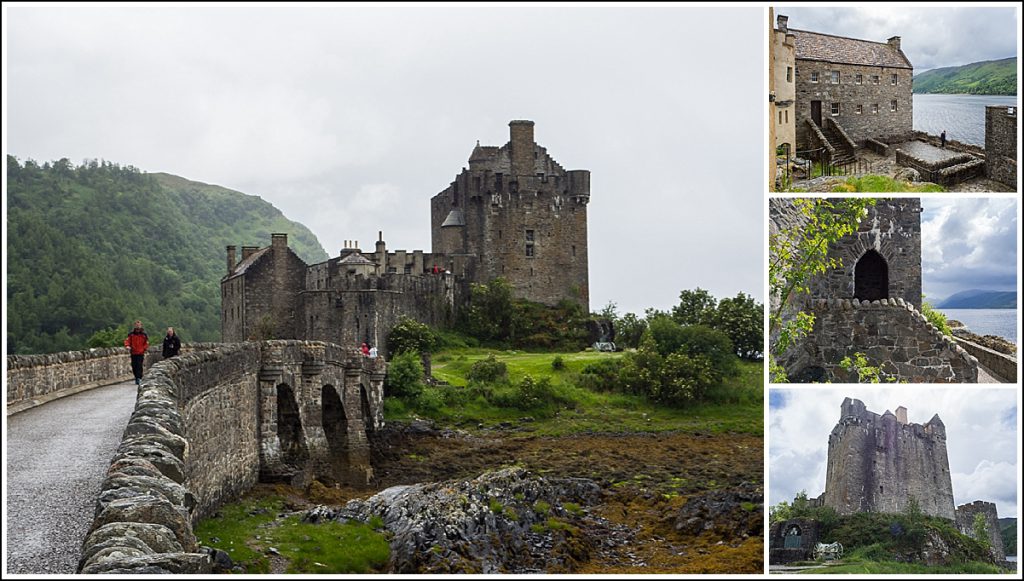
(878, 463)
(516, 213)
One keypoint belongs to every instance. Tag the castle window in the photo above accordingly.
(893, 79)
(780, 117)
(789, 74)
(529, 250)
(787, 115)
(574, 250)
(498, 182)
(529, 236)
(835, 77)
(859, 79)
(542, 177)
(408, 269)
(513, 187)
(835, 109)
(874, 108)
(892, 105)
(871, 277)
(875, 79)
(860, 109)
(814, 76)
(535, 154)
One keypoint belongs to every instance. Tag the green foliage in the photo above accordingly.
(996, 77)
(742, 319)
(411, 335)
(558, 364)
(488, 370)
(405, 376)
(936, 318)
(629, 329)
(881, 183)
(696, 307)
(979, 528)
(489, 316)
(798, 254)
(109, 337)
(100, 245)
(859, 364)
(493, 317)
(531, 393)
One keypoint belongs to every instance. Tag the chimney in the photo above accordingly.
(901, 415)
(521, 138)
(231, 259)
(783, 26)
(248, 251)
(279, 241)
(894, 42)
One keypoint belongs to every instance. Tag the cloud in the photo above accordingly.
(982, 452)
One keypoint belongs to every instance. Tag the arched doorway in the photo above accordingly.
(289, 426)
(871, 277)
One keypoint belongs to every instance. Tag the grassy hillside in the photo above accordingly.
(99, 245)
(997, 77)
(980, 299)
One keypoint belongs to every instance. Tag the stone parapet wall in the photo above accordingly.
(877, 146)
(892, 334)
(1001, 145)
(951, 171)
(33, 380)
(1001, 364)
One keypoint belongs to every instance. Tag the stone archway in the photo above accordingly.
(335, 424)
(289, 427)
(871, 277)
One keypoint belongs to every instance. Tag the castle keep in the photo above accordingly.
(515, 213)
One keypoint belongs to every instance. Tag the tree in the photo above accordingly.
(405, 376)
(629, 329)
(980, 531)
(798, 253)
(696, 307)
(411, 335)
(490, 313)
(742, 319)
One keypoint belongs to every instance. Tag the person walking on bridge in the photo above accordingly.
(172, 344)
(137, 344)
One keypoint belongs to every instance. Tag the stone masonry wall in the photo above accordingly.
(1001, 145)
(965, 514)
(879, 463)
(1001, 364)
(892, 334)
(884, 124)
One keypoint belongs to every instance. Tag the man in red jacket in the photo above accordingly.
(137, 343)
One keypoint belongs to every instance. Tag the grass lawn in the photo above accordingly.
(872, 567)
(583, 410)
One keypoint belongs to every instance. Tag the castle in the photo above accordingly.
(869, 302)
(884, 463)
(515, 213)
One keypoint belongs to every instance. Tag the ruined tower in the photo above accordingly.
(516, 213)
(878, 463)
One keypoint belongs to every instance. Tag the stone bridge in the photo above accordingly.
(206, 426)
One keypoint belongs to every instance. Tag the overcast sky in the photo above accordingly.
(981, 437)
(968, 243)
(349, 119)
(931, 36)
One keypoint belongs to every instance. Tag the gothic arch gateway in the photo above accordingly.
(871, 277)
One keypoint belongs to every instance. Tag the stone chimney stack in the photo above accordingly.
(894, 42)
(901, 415)
(248, 251)
(783, 24)
(231, 259)
(521, 137)
(279, 241)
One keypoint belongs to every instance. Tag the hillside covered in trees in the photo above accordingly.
(997, 77)
(96, 246)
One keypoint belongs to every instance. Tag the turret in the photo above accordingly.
(521, 138)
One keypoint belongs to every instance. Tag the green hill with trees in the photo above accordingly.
(997, 77)
(92, 247)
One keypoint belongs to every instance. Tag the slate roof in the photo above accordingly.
(455, 218)
(816, 46)
(355, 258)
(245, 264)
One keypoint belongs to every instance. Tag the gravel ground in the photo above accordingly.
(57, 457)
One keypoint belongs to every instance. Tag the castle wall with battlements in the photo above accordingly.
(881, 463)
(965, 515)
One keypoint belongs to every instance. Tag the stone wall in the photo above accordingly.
(880, 463)
(802, 535)
(948, 172)
(208, 425)
(1001, 145)
(892, 334)
(1001, 364)
(849, 94)
(965, 514)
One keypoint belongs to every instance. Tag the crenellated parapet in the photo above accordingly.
(208, 425)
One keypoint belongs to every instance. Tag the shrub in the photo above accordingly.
(405, 375)
(532, 393)
(410, 335)
(936, 318)
(558, 364)
(600, 376)
(488, 370)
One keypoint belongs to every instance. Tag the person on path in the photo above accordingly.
(172, 344)
(137, 344)
(942, 139)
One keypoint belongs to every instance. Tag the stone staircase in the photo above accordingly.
(844, 151)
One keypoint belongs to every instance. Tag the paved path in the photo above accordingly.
(57, 456)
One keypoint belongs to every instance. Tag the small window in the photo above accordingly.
(835, 77)
(835, 108)
(814, 77)
(893, 79)
(789, 74)
(787, 115)
(498, 182)
(860, 109)
(529, 235)
(892, 105)
(875, 79)
(574, 250)
(859, 79)
(874, 108)
(780, 117)
(529, 250)
(408, 269)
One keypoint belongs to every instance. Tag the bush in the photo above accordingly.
(936, 318)
(531, 393)
(713, 344)
(488, 370)
(600, 376)
(405, 376)
(558, 364)
(410, 335)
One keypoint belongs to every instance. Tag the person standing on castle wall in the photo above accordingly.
(373, 352)
(365, 349)
(942, 139)
(137, 344)
(172, 344)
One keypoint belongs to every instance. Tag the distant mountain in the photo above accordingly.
(96, 246)
(997, 77)
(1008, 529)
(980, 299)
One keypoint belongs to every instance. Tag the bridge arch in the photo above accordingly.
(335, 424)
(294, 450)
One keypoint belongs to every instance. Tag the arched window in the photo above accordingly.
(792, 537)
(871, 277)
